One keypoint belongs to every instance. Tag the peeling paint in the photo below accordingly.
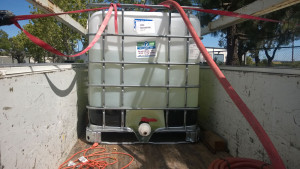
(5, 116)
(296, 119)
(7, 108)
(237, 143)
(0, 157)
(251, 139)
(292, 145)
(34, 163)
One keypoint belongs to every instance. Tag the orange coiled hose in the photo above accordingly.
(98, 159)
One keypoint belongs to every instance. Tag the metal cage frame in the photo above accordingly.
(94, 132)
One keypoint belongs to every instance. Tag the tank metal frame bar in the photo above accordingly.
(103, 73)
(122, 86)
(122, 74)
(168, 72)
(147, 63)
(141, 35)
(132, 108)
(162, 7)
(150, 86)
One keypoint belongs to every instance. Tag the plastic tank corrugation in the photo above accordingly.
(141, 74)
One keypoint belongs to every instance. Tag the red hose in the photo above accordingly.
(238, 163)
(260, 132)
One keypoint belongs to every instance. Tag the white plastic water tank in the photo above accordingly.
(145, 23)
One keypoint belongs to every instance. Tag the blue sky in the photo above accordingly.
(18, 7)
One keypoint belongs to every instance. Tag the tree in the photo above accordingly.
(230, 35)
(4, 42)
(52, 32)
(278, 34)
(270, 36)
(241, 38)
(18, 50)
(248, 40)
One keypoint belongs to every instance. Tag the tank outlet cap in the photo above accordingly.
(144, 129)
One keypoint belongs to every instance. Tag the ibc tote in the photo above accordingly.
(149, 70)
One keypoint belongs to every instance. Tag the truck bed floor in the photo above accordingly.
(158, 156)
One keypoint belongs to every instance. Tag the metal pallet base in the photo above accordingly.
(125, 135)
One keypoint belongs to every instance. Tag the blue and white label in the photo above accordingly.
(145, 49)
(144, 26)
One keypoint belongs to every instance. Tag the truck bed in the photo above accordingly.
(156, 156)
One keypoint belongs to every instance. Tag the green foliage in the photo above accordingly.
(18, 47)
(290, 64)
(71, 5)
(47, 30)
(4, 42)
(249, 60)
(52, 32)
(264, 62)
(79, 61)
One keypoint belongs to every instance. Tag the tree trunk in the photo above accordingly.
(241, 52)
(232, 46)
(270, 58)
(18, 59)
(256, 57)
(270, 61)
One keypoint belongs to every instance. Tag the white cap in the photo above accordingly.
(144, 129)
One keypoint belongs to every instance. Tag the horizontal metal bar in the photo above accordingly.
(137, 35)
(150, 142)
(154, 63)
(176, 129)
(43, 64)
(97, 128)
(134, 6)
(148, 86)
(135, 108)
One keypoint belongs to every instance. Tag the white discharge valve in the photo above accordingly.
(144, 129)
